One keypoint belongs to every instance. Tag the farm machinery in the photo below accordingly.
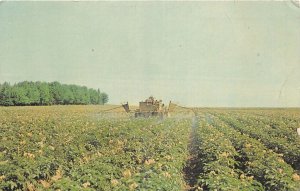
(150, 108)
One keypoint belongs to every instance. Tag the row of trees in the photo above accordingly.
(53, 93)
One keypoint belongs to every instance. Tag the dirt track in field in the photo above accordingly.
(192, 168)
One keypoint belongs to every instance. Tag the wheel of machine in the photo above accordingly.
(136, 115)
(154, 114)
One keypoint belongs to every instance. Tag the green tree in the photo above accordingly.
(33, 94)
(86, 95)
(45, 96)
(68, 96)
(104, 98)
(56, 92)
(93, 96)
(6, 97)
(42, 93)
(99, 100)
(19, 96)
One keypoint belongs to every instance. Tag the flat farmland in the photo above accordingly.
(95, 148)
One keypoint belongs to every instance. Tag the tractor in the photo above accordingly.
(150, 108)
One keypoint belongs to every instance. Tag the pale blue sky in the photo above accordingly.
(194, 53)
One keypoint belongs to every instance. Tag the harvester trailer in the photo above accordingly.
(150, 108)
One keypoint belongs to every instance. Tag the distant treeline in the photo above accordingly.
(53, 93)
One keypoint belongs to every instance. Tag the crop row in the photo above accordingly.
(63, 150)
(290, 118)
(268, 136)
(257, 161)
(272, 126)
(217, 160)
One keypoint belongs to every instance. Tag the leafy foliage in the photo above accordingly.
(218, 160)
(280, 139)
(54, 93)
(258, 161)
(52, 148)
(80, 148)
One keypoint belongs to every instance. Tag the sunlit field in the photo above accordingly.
(94, 148)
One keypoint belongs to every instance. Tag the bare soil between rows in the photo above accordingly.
(192, 168)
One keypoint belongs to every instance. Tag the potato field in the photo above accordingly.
(84, 148)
